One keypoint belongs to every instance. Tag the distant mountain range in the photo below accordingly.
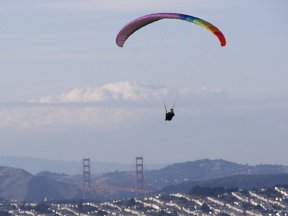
(180, 177)
(36, 165)
(18, 184)
(205, 169)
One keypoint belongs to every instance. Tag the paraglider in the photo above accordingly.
(169, 115)
(140, 22)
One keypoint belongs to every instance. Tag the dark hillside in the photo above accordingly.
(42, 187)
(205, 169)
(237, 181)
(13, 182)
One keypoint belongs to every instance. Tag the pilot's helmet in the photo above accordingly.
(171, 110)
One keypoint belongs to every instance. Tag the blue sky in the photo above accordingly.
(67, 91)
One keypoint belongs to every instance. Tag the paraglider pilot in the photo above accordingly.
(169, 115)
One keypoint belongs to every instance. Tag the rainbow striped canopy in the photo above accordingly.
(140, 22)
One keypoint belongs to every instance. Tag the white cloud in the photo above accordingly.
(111, 105)
(204, 91)
(61, 116)
(104, 106)
(120, 91)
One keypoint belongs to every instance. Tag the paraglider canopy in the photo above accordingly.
(140, 22)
